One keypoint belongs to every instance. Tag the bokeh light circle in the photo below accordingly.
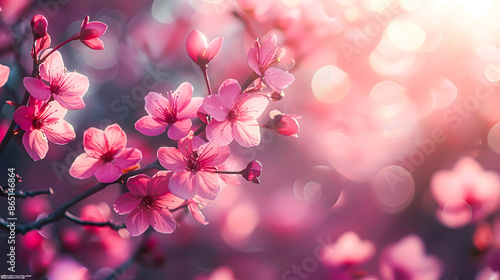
(393, 188)
(330, 84)
(494, 138)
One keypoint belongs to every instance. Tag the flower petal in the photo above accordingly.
(128, 157)
(74, 84)
(195, 210)
(108, 173)
(247, 134)
(182, 185)
(4, 74)
(214, 47)
(196, 44)
(219, 133)
(163, 222)
(53, 67)
(171, 158)
(190, 111)
(268, 50)
(217, 107)
(95, 44)
(207, 184)
(155, 104)
(72, 102)
(36, 144)
(138, 184)
(60, 132)
(37, 88)
(252, 105)
(84, 166)
(229, 90)
(181, 96)
(126, 203)
(211, 155)
(116, 137)
(149, 126)
(278, 79)
(94, 142)
(97, 26)
(136, 223)
(23, 116)
(253, 60)
(179, 129)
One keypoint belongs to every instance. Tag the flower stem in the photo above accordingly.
(204, 69)
(227, 172)
(72, 38)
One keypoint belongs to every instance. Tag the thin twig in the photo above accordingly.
(25, 194)
(77, 220)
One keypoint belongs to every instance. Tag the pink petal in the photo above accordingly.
(98, 26)
(159, 184)
(253, 60)
(219, 133)
(149, 126)
(210, 155)
(278, 79)
(36, 144)
(72, 102)
(53, 67)
(217, 107)
(128, 157)
(172, 159)
(230, 91)
(60, 132)
(214, 47)
(195, 210)
(268, 50)
(196, 44)
(95, 44)
(163, 223)
(126, 203)
(74, 84)
(84, 166)
(252, 105)
(4, 74)
(138, 184)
(186, 144)
(108, 173)
(207, 184)
(116, 137)
(247, 134)
(94, 142)
(137, 223)
(182, 96)
(179, 129)
(182, 185)
(23, 116)
(190, 111)
(155, 104)
(37, 88)
(55, 111)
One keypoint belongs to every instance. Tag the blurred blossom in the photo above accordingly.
(220, 273)
(66, 268)
(349, 250)
(467, 193)
(4, 74)
(407, 260)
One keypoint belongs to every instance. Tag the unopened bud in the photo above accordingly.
(39, 26)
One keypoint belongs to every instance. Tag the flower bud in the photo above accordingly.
(277, 95)
(253, 171)
(199, 50)
(283, 124)
(39, 26)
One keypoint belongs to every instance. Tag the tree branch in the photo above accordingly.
(25, 194)
(77, 220)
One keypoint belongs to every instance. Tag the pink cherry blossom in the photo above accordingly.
(466, 193)
(284, 124)
(67, 88)
(348, 250)
(194, 165)
(147, 204)
(262, 58)
(172, 112)
(234, 115)
(43, 122)
(200, 51)
(90, 33)
(4, 74)
(407, 260)
(105, 155)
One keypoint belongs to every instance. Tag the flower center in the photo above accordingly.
(108, 156)
(37, 123)
(193, 163)
(148, 203)
(232, 115)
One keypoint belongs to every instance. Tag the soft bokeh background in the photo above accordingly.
(390, 91)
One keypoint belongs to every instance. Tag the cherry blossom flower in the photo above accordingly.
(4, 74)
(407, 260)
(43, 122)
(262, 58)
(67, 88)
(284, 124)
(147, 204)
(172, 112)
(252, 171)
(200, 51)
(348, 250)
(194, 165)
(234, 115)
(105, 155)
(467, 193)
(39, 26)
(90, 33)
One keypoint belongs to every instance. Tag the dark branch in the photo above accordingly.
(77, 220)
(25, 194)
